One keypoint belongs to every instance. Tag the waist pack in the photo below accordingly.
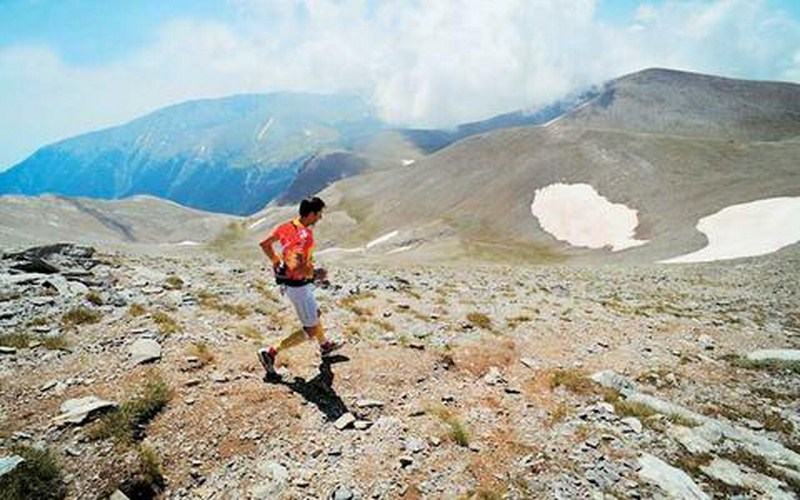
(281, 279)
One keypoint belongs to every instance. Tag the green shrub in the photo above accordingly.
(39, 476)
(81, 315)
(126, 424)
(173, 283)
(136, 310)
(165, 323)
(94, 298)
(480, 320)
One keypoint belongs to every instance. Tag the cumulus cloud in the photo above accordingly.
(422, 63)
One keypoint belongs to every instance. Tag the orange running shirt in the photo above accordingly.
(297, 244)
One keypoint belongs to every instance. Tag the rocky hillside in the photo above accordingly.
(140, 222)
(668, 102)
(474, 199)
(137, 376)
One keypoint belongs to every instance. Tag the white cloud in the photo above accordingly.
(423, 63)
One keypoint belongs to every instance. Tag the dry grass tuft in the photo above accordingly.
(201, 351)
(39, 476)
(573, 380)
(480, 320)
(80, 316)
(127, 423)
(166, 324)
(136, 310)
(173, 283)
(457, 431)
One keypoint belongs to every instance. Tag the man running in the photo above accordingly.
(296, 274)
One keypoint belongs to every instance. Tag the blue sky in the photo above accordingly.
(71, 66)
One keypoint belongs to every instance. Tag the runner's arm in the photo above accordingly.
(266, 246)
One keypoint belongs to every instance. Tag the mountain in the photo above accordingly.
(431, 140)
(139, 221)
(669, 102)
(673, 166)
(228, 155)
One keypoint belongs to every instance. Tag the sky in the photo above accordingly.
(72, 66)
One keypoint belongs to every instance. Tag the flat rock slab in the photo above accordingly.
(144, 351)
(78, 411)
(774, 355)
(345, 421)
(8, 464)
(674, 482)
(369, 403)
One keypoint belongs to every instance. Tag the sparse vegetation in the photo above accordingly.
(94, 298)
(148, 480)
(80, 315)
(573, 380)
(211, 301)
(17, 340)
(22, 340)
(773, 365)
(166, 324)
(251, 332)
(261, 287)
(173, 283)
(515, 321)
(233, 233)
(39, 476)
(457, 431)
(480, 320)
(136, 310)
(201, 351)
(127, 423)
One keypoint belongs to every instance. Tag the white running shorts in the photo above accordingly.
(302, 298)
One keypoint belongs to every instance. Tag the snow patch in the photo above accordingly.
(265, 128)
(361, 249)
(747, 230)
(256, 223)
(188, 243)
(381, 239)
(407, 162)
(400, 249)
(577, 214)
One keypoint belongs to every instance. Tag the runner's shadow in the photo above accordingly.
(319, 390)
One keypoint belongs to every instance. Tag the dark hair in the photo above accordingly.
(311, 206)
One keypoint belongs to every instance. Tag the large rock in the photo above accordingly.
(675, 483)
(80, 410)
(731, 474)
(613, 380)
(774, 355)
(144, 351)
(8, 464)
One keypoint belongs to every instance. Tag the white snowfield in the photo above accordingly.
(377, 241)
(746, 230)
(577, 214)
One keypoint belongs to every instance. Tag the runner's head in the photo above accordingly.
(311, 210)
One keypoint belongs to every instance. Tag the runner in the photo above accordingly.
(295, 273)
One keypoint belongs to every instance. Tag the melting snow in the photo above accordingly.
(265, 128)
(376, 241)
(256, 223)
(381, 239)
(577, 214)
(407, 162)
(747, 230)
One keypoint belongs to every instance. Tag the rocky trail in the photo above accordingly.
(135, 376)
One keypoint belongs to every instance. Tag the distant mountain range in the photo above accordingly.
(671, 145)
(236, 154)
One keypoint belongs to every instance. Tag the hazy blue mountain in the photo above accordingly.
(234, 154)
(230, 155)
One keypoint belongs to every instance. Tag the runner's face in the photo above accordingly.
(315, 217)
